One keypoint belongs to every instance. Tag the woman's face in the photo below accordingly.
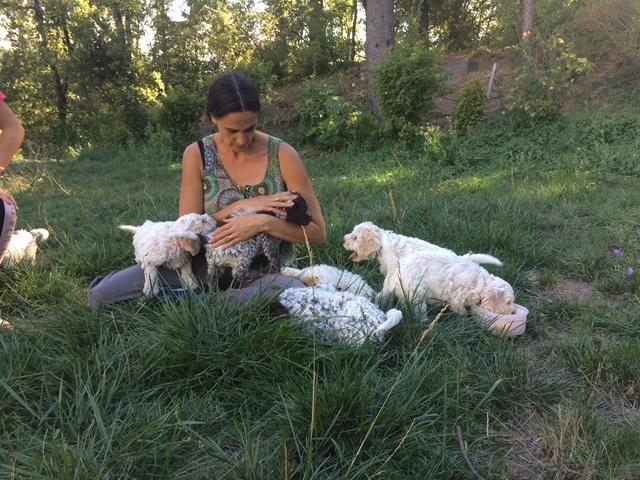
(237, 130)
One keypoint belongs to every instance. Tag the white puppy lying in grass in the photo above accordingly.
(339, 317)
(23, 247)
(170, 245)
(342, 280)
(417, 271)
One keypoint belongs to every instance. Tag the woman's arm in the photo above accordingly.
(191, 191)
(11, 136)
(297, 180)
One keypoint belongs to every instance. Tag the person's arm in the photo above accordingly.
(191, 191)
(297, 180)
(11, 136)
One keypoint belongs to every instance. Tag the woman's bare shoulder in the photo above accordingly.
(288, 154)
(191, 150)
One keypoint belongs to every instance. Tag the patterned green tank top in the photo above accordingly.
(220, 190)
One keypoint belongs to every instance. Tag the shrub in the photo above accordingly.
(406, 81)
(330, 121)
(180, 114)
(472, 103)
(605, 26)
(260, 72)
(549, 67)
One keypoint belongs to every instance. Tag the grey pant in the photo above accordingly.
(127, 284)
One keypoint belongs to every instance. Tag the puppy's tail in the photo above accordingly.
(394, 317)
(481, 258)
(128, 228)
(40, 233)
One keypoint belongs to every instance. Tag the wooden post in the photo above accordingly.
(493, 75)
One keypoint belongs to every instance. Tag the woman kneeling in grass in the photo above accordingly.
(11, 136)
(238, 168)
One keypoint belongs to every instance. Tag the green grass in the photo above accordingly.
(186, 389)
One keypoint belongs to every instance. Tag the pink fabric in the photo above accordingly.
(7, 227)
(2, 96)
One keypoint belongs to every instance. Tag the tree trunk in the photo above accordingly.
(161, 42)
(61, 87)
(318, 36)
(528, 19)
(380, 23)
(354, 24)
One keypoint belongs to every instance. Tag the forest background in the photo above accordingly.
(88, 73)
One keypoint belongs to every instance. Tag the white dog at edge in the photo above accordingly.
(419, 271)
(170, 245)
(23, 247)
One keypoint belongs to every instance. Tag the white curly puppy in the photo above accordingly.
(171, 245)
(371, 237)
(339, 317)
(322, 275)
(23, 247)
(417, 271)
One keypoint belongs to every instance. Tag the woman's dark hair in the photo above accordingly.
(230, 93)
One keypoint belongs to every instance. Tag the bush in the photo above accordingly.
(260, 72)
(180, 114)
(605, 26)
(406, 81)
(330, 121)
(549, 67)
(472, 103)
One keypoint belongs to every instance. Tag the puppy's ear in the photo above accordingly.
(311, 280)
(188, 241)
(498, 300)
(369, 242)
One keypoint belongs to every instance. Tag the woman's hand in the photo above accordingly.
(6, 196)
(274, 204)
(239, 229)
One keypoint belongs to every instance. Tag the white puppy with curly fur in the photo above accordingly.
(339, 317)
(170, 245)
(23, 247)
(322, 275)
(420, 272)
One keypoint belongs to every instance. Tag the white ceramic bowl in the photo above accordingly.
(510, 325)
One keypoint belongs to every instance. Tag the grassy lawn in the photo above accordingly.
(184, 389)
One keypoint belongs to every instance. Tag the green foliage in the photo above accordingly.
(548, 68)
(180, 114)
(608, 28)
(406, 81)
(330, 121)
(451, 24)
(471, 105)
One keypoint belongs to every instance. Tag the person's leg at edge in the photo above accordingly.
(127, 284)
(7, 225)
(264, 288)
